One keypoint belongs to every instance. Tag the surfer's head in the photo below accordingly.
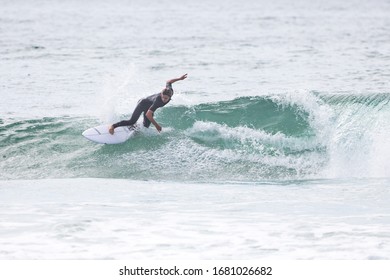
(166, 94)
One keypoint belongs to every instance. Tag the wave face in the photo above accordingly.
(287, 136)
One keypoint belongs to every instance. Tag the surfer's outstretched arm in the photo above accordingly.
(177, 79)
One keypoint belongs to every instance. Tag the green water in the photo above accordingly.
(245, 139)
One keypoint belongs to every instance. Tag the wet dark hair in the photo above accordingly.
(167, 91)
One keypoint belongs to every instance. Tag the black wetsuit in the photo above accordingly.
(151, 103)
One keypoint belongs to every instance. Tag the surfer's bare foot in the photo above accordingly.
(111, 130)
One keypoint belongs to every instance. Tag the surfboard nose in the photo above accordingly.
(89, 132)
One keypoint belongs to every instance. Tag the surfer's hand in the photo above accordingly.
(111, 130)
(158, 128)
(183, 77)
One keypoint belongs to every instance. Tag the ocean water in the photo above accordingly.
(275, 147)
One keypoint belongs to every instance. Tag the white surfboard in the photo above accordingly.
(99, 134)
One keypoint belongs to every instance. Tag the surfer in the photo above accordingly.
(148, 106)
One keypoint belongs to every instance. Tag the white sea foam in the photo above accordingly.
(122, 219)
